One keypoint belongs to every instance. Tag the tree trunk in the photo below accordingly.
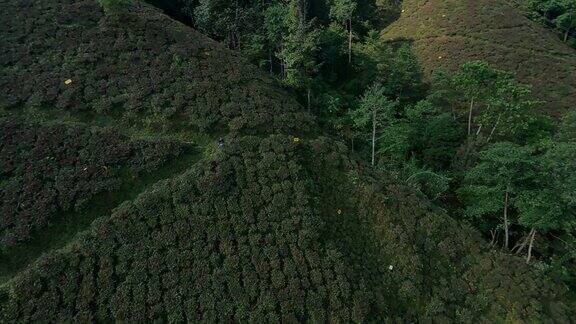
(529, 256)
(282, 63)
(506, 202)
(352, 142)
(271, 61)
(308, 97)
(493, 233)
(520, 246)
(302, 8)
(568, 30)
(531, 245)
(470, 116)
(494, 128)
(350, 41)
(373, 137)
(233, 41)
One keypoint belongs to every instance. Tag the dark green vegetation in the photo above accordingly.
(49, 169)
(282, 223)
(57, 178)
(558, 15)
(256, 234)
(133, 69)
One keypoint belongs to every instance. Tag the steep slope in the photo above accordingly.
(257, 234)
(139, 67)
(279, 225)
(446, 34)
(56, 178)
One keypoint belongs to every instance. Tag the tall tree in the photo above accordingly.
(226, 19)
(300, 8)
(300, 49)
(551, 203)
(491, 186)
(375, 108)
(217, 19)
(567, 20)
(509, 108)
(560, 14)
(343, 11)
(476, 81)
(397, 69)
(276, 24)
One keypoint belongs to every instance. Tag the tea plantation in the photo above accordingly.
(281, 224)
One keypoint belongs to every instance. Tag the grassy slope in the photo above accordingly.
(268, 229)
(449, 33)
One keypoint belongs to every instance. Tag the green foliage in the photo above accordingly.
(552, 203)
(542, 209)
(475, 84)
(559, 14)
(111, 4)
(511, 109)
(299, 53)
(225, 20)
(538, 187)
(374, 107)
(431, 184)
(435, 135)
(494, 102)
(48, 170)
(243, 237)
(567, 129)
(476, 80)
(276, 22)
(396, 68)
(342, 10)
(502, 167)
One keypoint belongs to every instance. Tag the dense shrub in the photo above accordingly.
(48, 169)
(420, 264)
(236, 239)
(136, 65)
(249, 236)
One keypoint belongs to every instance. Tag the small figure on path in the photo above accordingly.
(221, 142)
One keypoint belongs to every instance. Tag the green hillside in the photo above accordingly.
(110, 115)
(446, 34)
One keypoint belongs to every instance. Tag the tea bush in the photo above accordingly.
(137, 66)
(248, 236)
(48, 169)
